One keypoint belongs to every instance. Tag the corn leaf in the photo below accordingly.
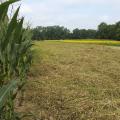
(5, 92)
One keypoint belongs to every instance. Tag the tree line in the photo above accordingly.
(104, 31)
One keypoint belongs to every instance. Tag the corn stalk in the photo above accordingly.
(15, 59)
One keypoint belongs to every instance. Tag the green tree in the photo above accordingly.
(102, 31)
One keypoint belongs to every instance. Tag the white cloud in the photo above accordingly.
(71, 13)
(26, 9)
(104, 18)
(94, 2)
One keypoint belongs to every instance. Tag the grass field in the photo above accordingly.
(90, 41)
(71, 81)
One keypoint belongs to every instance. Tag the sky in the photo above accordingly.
(70, 13)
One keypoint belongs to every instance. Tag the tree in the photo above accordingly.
(105, 31)
(102, 31)
(50, 33)
(117, 31)
(76, 34)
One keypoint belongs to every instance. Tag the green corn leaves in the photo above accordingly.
(4, 8)
(15, 58)
(5, 92)
(11, 27)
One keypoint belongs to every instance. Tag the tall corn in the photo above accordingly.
(15, 59)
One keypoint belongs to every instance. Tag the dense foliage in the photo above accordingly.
(104, 31)
(15, 59)
(50, 33)
(109, 31)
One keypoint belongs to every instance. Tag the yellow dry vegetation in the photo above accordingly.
(74, 81)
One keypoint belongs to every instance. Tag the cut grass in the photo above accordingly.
(74, 82)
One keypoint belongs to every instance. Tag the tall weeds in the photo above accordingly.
(15, 59)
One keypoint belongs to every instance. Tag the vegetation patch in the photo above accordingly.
(74, 82)
(90, 41)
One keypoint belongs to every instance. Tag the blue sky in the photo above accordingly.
(71, 13)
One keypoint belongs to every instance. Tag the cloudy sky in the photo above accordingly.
(70, 13)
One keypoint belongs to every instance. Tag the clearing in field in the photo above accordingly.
(71, 81)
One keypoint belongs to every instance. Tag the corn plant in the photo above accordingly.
(15, 59)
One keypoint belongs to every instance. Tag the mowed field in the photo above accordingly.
(74, 81)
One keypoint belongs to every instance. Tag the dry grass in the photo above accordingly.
(74, 82)
(95, 41)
